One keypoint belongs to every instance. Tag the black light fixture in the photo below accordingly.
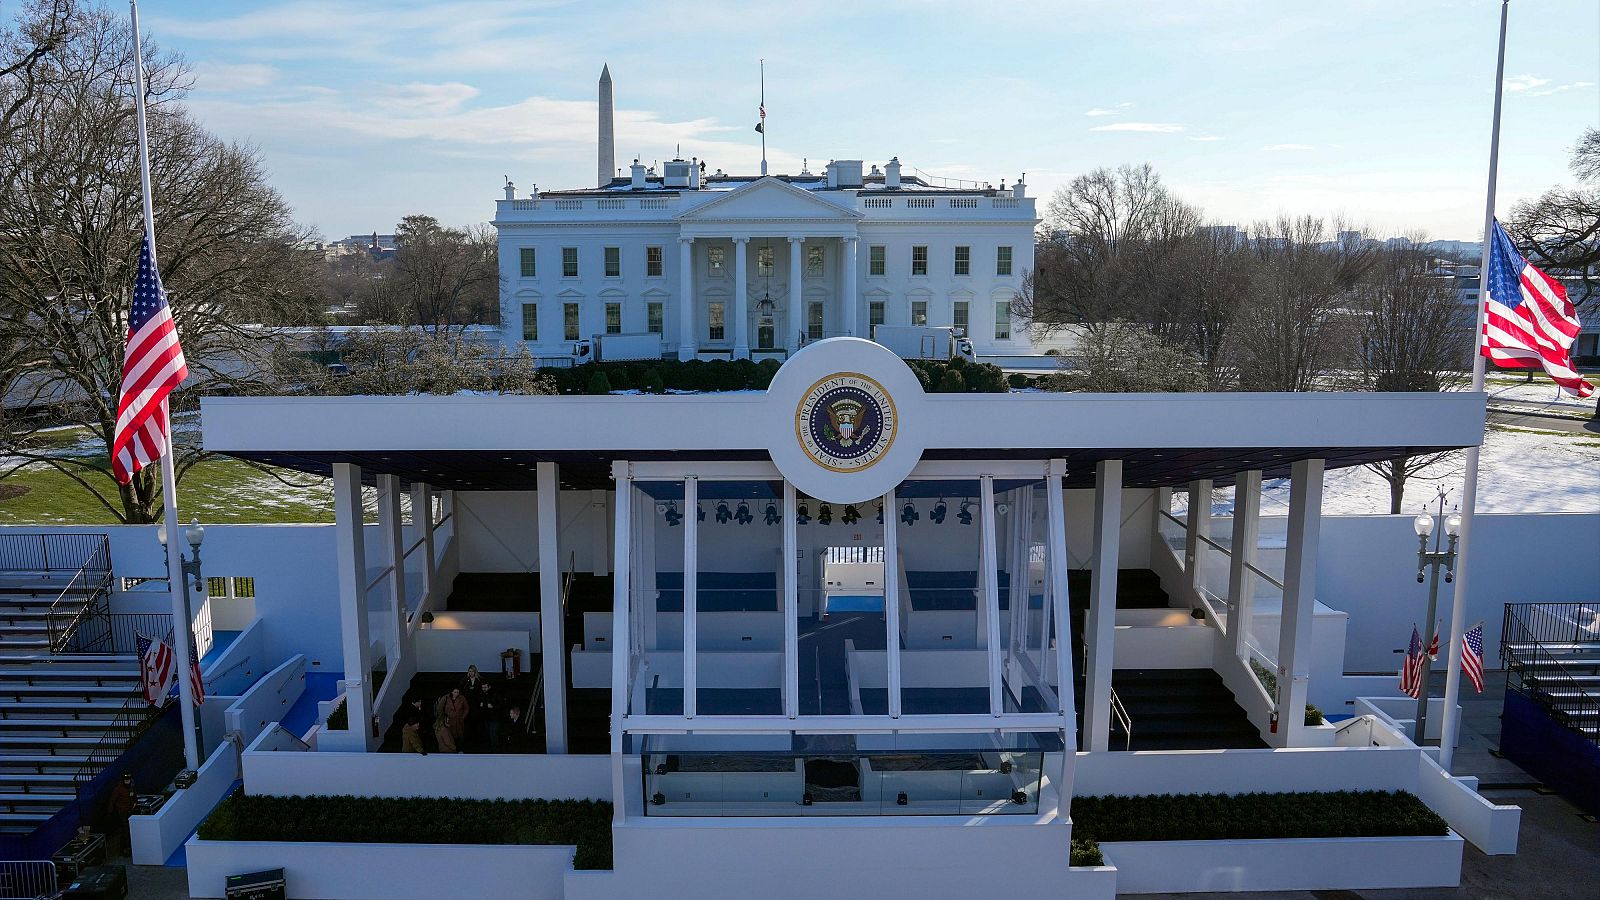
(825, 515)
(742, 514)
(909, 514)
(851, 515)
(940, 510)
(880, 512)
(671, 514)
(964, 514)
(700, 513)
(658, 798)
(770, 516)
(723, 512)
(1019, 797)
(766, 310)
(901, 799)
(802, 514)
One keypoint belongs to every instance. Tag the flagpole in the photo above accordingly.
(169, 480)
(763, 117)
(1450, 724)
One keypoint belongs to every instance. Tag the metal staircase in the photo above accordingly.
(1551, 652)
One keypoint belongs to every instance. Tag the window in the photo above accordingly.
(613, 262)
(236, 587)
(530, 321)
(716, 327)
(764, 261)
(1002, 260)
(569, 262)
(814, 321)
(959, 315)
(963, 260)
(875, 257)
(652, 262)
(655, 318)
(919, 260)
(530, 262)
(814, 259)
(716, 260)
(613, 318)
(919, 312)
(1002, 320)
(569, 321)
(874, 317)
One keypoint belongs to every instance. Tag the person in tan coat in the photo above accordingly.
(455, 708)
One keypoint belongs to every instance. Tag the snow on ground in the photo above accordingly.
(1540, 394)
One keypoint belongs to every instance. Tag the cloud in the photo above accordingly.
(1108, 110)
(222, 77)
(429, 99)
(1287, 148)
(1525, 82)
(1574, 86)
(1205, 137)
(1149, 127)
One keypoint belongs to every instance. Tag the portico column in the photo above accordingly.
(1100, 626)
(422, 522)
(356, 640)
(394, 547)
(1299, 598)
(797, 293)
(621, 629)
(552, 618)
(1199, 526)
(1241, 581)
(850, 278)
(741, 297)
(1057, 608)
(687, 339)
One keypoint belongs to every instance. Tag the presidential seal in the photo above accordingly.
(845, 422)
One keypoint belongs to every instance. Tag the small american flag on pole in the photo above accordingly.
(155, 669)
(1472, 656)
(1411, 672)
(1528, 321)
(152, 367)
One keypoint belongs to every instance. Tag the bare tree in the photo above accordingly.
(1123, 357)
(1560, 230)
(1416, 335)
(25, 52)
(409, 360)
(70, 230)
(444, 276)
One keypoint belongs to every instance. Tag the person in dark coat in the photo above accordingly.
(455, 708)
(486, 717)
(119, 806)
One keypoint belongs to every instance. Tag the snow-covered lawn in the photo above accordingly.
(1539, 394)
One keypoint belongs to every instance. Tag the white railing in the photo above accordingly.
(878, 202)
(652, 202)
(919, 203)
(569, 204)
(611, 203)
(1004, 202)
(963, 202)
(524, 205)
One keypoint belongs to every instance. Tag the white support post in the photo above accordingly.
(422, 522)
(1199, 526)
(621, 649)
(989, 583)
(691, 593)
(1057, 560)
(797, 293)
(645, 581)
(349, 516)
(791, 604)
(552, 618)
(850, 279)
(600, 565)
(1019, 588)
(688, 339)
(1241, 581)
(1299, 598)
(394, 548)
(891, 601)
(741, 298)
(1102, 619)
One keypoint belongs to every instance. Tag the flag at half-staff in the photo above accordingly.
(152, 367)
(1411, 672)
(156, 669)
(1472, 656)
(1528, 321)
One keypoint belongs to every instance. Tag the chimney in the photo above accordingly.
(511, 189)
(1019, 190)
(636, 180)
(848, 172)
(833, 174)
(891, 173)
(608, 148)
(696, 169)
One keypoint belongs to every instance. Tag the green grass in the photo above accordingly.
(218, 490)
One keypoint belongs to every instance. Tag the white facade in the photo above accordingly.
(696, 258)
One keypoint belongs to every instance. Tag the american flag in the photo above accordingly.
(151, 368)
(1433, 646)
(1530, 323)
(197, 684)
(1411, 672)
(1472, 656)
(155, 669)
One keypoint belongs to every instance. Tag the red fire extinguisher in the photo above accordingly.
(1274, 723)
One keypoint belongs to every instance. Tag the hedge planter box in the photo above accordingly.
(384, 871)
(1297, 864)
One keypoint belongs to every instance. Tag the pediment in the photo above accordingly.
(768, 198)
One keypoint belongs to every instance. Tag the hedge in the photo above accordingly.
(1221, 817)
(416, 820)
(656, 376)
(339, 717)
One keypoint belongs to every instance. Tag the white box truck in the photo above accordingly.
(925, 342)
(617, 348)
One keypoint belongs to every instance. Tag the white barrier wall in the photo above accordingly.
(155, 838)
(471, 776)
(453, 651)
(268, 700)
(240, 664)
(383, 871)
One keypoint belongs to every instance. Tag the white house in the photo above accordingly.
(755, 266)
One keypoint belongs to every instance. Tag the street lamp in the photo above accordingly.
(1428, 564)
(195, 533)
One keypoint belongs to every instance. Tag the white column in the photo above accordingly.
(1058, 560)
(891, 600)
(422, 522)
(1198, 526)
(741, 298)
(394, 549)
(552, 618)
(850, 278)
(989, 585)
(1299, 598)
(598, 532)
(356, 640)
(688, 338)
(691, 593)
(1241, 581)
(1102, 619)
(621, 651)
(791, 605)
(797, 293)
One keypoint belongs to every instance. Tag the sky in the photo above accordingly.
(1373, 111)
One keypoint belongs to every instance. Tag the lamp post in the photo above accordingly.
(195, 533)
(1431, 561)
